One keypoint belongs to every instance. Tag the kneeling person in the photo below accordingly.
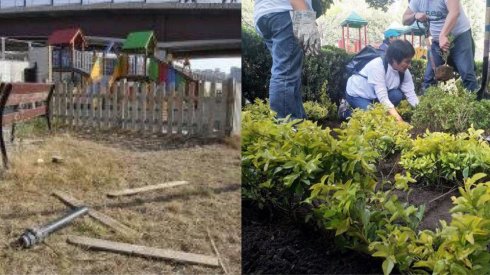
(384, 79)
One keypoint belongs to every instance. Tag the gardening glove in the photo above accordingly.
(306, 31)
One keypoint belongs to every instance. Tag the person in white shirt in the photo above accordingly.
(374, 83)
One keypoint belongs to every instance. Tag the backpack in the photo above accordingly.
(363, 57)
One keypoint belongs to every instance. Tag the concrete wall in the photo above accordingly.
(12, 71)
(40, 56)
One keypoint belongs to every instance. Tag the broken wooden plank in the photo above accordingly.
(133, 191)
(112, 223)
(146, 251)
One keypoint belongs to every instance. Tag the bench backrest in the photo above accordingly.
(24, 101)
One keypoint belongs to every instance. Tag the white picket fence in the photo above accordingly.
(203, 111)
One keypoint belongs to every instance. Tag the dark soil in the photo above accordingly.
(437, 204)
(274, 244)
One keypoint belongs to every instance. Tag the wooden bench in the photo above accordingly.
(21, 102)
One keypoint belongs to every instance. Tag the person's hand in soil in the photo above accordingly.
(396, 115)
(444, 42)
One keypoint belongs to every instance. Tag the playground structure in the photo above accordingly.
(68, 53)
(410, 33)
(416, 31)
(126, 86)
(357, 22)
(140, 92)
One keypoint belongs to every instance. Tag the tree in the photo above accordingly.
(380, 4)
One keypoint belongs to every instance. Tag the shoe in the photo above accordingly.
(344, 107)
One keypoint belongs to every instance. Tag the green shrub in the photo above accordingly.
(256, 66)
(259, 110)
(315, 111)
(329, 67)
(285, 166)
(441, 157)
(405, 110)
(379, 129)
(481, 119)
(457, 248)
(319, 111)
(418, 70)
(448, 109)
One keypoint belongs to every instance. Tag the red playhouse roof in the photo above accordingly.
(65, 37)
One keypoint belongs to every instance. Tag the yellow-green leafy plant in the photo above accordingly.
(440, 110)
(379, 129)
(315, 111)
(405, 110)
(456, 248)
(445, 158)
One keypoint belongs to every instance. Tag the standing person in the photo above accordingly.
(390, 36)
(289, 31)
(384, 79)
(445, 17)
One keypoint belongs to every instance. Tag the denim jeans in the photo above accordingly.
(287, 64)
(395, 96)
(461, 55)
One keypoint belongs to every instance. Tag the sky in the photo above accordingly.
(224, 64)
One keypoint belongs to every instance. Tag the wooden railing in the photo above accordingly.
(83, 60)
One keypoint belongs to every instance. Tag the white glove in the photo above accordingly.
(306, 31)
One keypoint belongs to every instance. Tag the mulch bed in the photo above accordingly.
(274, 244)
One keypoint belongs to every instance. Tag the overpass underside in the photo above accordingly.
(173, 22)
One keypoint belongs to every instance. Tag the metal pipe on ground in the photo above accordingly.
(33, 236)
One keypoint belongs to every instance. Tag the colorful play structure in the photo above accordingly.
(73, 59)
(354, 21)
(359, 25)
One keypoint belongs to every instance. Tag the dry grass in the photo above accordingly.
(174, 218)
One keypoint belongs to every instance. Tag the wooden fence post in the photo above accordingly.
(212, 106)
(180, 111)
(170, 109)
(160, 102)
(200, 108)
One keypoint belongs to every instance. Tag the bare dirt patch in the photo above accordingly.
(174, 218)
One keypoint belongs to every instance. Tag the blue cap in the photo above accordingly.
(391, 33)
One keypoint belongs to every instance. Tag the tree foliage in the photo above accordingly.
(256, 65)
(380, 4)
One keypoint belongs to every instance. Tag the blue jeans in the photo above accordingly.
(287, 64)
(395, 96)
(461, 55)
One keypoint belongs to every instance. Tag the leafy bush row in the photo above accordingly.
(286, 163)
(441, 157)
(457, 248)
